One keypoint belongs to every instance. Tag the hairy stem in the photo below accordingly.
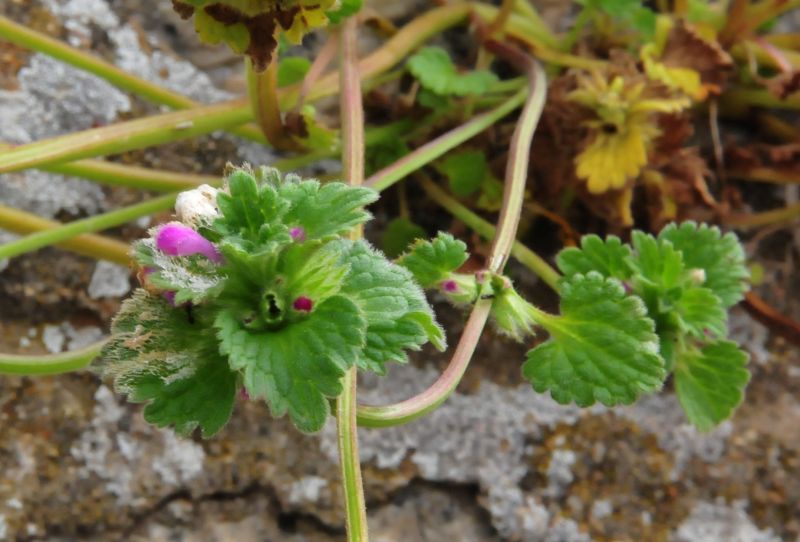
(516, 177)
(124, 136)
(94, 246)
(352, 113)
(11, 364)
(36, 41)
(87, 225)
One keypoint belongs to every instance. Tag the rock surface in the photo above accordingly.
(495, 462)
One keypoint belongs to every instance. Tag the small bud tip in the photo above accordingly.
(303, 304)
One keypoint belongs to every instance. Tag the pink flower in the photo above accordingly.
(298, 234)
(303, 304)
(450, 286)
(176, 239)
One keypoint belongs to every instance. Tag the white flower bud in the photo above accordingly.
(197, 207)
(697, 276)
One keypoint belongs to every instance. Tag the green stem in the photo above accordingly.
(759, 98)
(124, 136)
(765, 218)
(86, 225)
(30, 39)
(94, 246)
(516, 177)
(262, 89)
(432, 150)
(523, 254)
(54, 364)
(113, 174)
(396, 48)
(352, 113)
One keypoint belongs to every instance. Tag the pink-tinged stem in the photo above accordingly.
(352, 114)
(513, 195)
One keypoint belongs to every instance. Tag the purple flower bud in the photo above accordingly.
(450, 286)
(169, 295)
(628, 288)
(176, 239)
(303, 304)
(298, 234)
(244, 395)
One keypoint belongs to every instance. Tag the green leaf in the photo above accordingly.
(432, 261)
(609, 257)
(158, 354)
(491, 198)
(385, 153)
(252, 210)
(511, 314)
(313, 134)
(629, 11)
(602, 346)
(399, 235)
(710, 382)
(298, 367)
(397, 312)
(325, 210)
(292, 69)
(347, 8)
(465, 171)
(434, 102)
(720, 256)
(701, 313)
(192, 278)
(657, 263)
(436, 72)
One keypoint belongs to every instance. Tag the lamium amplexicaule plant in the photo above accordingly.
(263, 288)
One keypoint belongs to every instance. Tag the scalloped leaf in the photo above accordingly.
(601, 348)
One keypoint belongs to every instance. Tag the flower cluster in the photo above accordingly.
(257, 286)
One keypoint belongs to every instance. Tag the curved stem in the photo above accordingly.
(49, 364)
(427, 401)
(352, 113)
(86, 225)
(516, 177)
(36, 41)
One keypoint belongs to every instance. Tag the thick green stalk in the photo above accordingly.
(53, 364)
(124, 136)
(516, 177)
(262, 89)
(94, 246)
(36, 41)
(86, 225)
(352, 113)
(446, 142)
